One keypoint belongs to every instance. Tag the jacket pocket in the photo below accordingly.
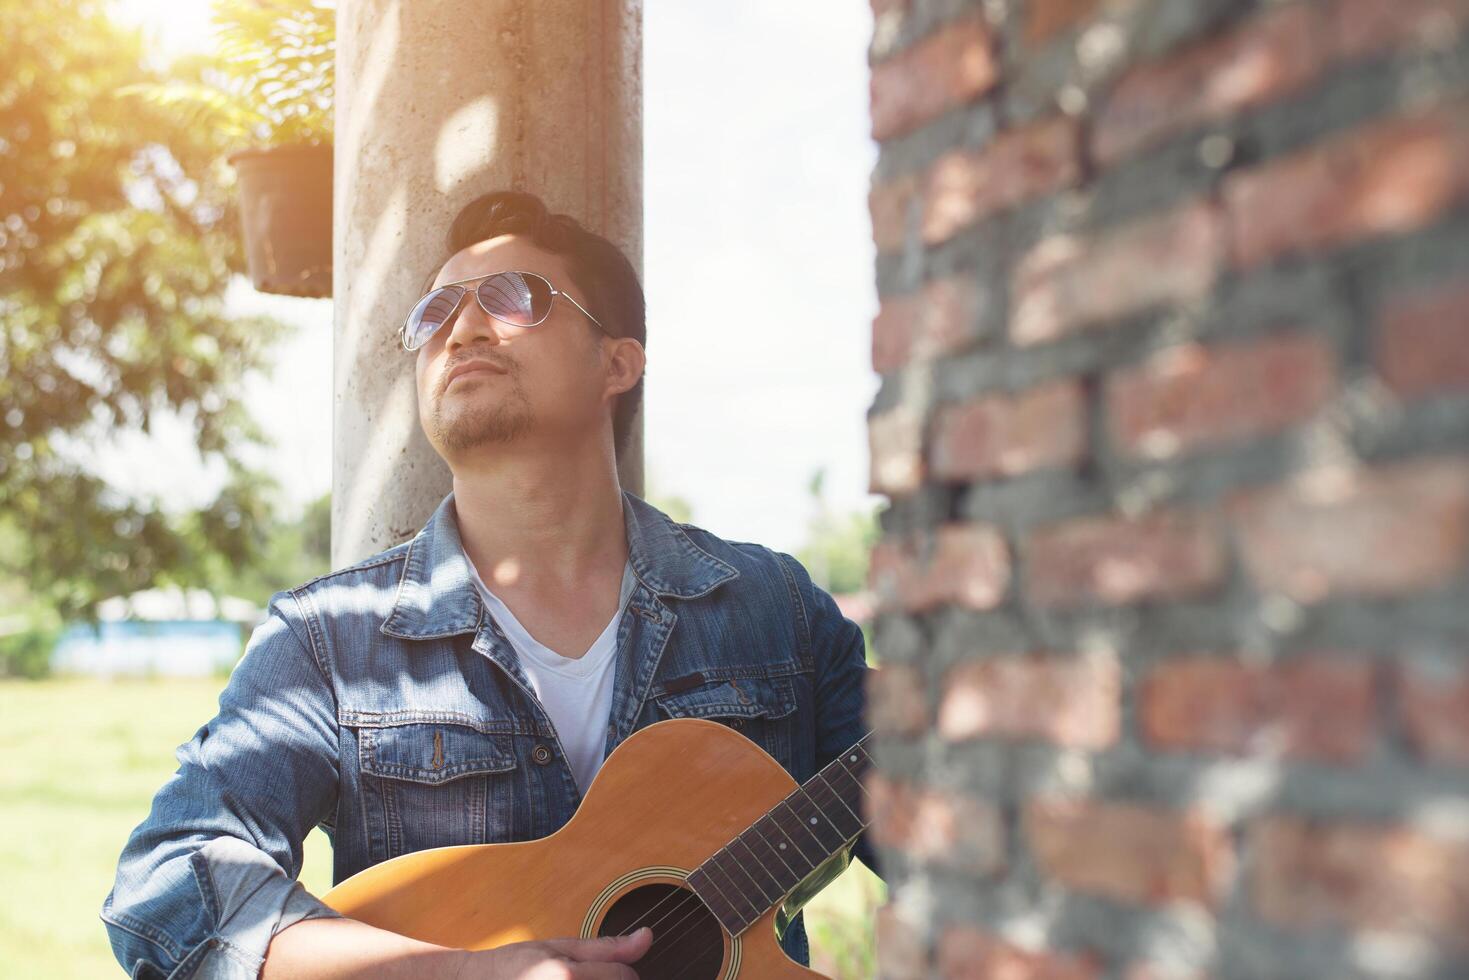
(436, 785)
(760, 708)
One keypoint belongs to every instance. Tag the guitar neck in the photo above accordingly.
(752, 873)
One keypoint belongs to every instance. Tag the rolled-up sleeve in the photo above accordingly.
(839, 654)
(209, 877)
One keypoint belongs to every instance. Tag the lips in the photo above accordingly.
(473, 367)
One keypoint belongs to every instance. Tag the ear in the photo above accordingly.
(625, 363)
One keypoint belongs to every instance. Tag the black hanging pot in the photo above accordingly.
(286, 215)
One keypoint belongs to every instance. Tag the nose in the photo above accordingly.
(471, 324)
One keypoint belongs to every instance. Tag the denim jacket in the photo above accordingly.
(329, 720)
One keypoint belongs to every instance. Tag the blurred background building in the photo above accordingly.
(159, 633)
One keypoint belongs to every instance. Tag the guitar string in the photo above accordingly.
(777, 856)
(668, 944)
(733, 883)
(697, 902)
(837, 795)
(691, 903)
(670, 937)
(673, 934)
(754, 859)
(685, 897)
(689, 896)
(642, 920)
(759, 889)
(759, 912)
(694, 899)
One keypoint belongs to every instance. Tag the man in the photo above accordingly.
(463, 687)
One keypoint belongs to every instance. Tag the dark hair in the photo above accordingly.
(604, 275)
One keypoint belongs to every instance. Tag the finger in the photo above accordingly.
(606, 949)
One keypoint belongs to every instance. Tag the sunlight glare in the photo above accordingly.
(176, 28)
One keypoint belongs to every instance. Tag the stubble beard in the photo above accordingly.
(482, 422)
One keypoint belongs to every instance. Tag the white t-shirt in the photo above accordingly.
(576, 692)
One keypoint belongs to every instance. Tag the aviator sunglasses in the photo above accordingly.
(521, 299)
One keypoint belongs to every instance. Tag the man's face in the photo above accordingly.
(546, 384)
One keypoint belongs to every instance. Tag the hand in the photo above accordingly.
(558, 959)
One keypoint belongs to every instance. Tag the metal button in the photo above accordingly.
(737, 723)
(541, 754)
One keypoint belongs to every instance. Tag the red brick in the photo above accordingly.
(1435, 712)
(902, 950)
(1068, 282)
(1366, 27)
(1310, 708)
(886, 806)
(1130, 852)
(1191, 397)
(891, 204)
(1067, 700)
(936, 826)
(1146, 970)
(895, 445)
(1006, 435)
(968, 953)
(965, 186)
(892, 573)
(1377, 876)
(941, 319)
(950, 67)
(1377, 532)
(1390, 177)
(963, 564)
(896, 701)
(1263, 60)
(893, 329)
(1118, 560)
(1423, 341)
(1046, 18)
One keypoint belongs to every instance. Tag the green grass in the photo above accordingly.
(82, 760)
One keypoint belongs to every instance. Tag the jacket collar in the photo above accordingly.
(436, 595)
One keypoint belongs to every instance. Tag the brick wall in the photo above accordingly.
(1172, 593)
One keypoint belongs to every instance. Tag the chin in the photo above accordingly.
(486, 426)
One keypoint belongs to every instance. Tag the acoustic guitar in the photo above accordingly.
(689, 828)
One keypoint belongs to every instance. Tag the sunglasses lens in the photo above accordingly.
(521, 300)
(429, 315)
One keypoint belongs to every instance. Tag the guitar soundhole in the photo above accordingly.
(688, 943)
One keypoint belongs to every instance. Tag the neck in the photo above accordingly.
(757, 870)
(533, 519)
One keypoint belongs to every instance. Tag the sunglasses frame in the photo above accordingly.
(403, 331)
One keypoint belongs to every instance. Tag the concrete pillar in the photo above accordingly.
(438, 102)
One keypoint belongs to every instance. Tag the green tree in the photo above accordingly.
(296, 552)
(117, 238)
(271, 78)
(838, 546)
(838, 549)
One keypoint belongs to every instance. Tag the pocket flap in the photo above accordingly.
(742, 697)
(432, 752)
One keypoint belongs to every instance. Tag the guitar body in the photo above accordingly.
(663, 802)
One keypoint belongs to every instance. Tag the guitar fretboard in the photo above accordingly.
(755, 871)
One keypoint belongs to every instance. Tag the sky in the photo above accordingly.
(758, 271)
